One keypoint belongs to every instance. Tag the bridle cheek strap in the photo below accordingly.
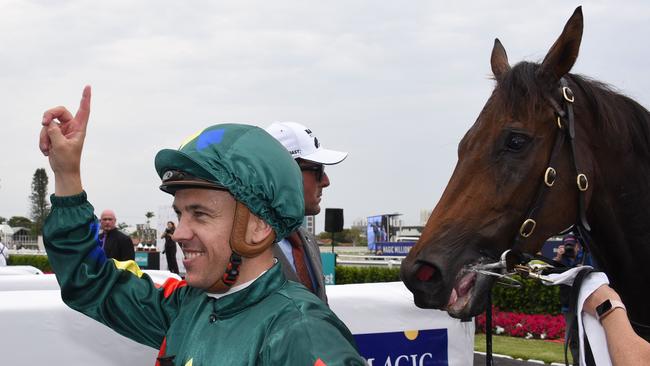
(566, 129)
(240, 248)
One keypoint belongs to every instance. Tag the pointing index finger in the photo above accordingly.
(83, 113)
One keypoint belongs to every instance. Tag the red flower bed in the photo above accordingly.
(539, 326)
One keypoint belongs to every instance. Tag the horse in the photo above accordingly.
(549, 150)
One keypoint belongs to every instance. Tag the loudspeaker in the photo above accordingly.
(333, 220)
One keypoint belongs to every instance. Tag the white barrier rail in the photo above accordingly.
(37, 328)
(369, 260)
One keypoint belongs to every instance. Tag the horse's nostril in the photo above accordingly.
(425, 272)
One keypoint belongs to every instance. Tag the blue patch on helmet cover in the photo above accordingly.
(208, 138)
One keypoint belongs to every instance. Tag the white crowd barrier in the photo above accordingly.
(19, 270)
(391, 331)
(48, 281)
(37, 328)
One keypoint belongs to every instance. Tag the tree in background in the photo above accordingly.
(40, 205)
(347, 236)
(2, 220)
(20, 221)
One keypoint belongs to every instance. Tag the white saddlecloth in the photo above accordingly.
(587, 323)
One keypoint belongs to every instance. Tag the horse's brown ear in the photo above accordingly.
(564, 52)
(499, 60)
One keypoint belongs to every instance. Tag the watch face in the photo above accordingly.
(603, 308)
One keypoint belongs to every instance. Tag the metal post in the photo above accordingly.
(488, 330)
(333, 250)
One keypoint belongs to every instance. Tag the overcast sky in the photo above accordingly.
(394, 83)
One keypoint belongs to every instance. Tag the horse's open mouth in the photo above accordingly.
(462, 292)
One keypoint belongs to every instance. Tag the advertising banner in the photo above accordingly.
(426, 347)
(392, 248)
(391, 331)
(329, 267)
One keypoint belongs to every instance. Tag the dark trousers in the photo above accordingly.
(171, 261)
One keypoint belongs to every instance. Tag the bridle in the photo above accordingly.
(515, 259)
(565, 122)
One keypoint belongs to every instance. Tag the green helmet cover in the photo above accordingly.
(252, 165)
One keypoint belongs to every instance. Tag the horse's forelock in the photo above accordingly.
(521, 91)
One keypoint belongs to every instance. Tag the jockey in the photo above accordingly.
(235, 190)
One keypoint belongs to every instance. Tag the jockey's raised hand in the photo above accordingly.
(61, 140)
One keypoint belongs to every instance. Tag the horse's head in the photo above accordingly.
(502, 162)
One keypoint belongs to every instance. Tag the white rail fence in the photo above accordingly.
(368, 260)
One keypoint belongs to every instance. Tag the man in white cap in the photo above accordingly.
(299, 252)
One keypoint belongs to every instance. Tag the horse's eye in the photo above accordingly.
(516, 141)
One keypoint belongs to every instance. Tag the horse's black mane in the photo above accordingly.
(617, 115)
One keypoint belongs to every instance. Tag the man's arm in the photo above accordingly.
(624, 345)
(91, 283)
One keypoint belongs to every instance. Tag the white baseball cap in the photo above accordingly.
(301, 143)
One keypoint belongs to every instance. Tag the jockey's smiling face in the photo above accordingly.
(205, 220)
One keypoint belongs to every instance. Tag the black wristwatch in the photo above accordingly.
(606, 307)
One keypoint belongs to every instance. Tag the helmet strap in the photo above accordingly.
(229, 276)
(240, 248)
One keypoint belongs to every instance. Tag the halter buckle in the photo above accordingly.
(527, 228)
(568, 94)
(559, 123)
(583, 182)
(549, 176)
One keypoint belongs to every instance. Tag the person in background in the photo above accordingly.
(170, 247)
(235, 189)
(299, 252)
(570, 254)
(115, 243)
(624, 345)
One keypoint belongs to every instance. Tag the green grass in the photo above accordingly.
(523, 348)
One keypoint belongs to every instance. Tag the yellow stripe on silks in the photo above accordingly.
(190, 138)
(189, 363)
(129, 266)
